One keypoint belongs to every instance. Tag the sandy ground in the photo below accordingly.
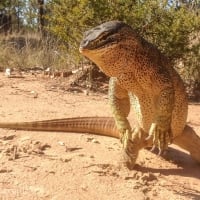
(59, 166)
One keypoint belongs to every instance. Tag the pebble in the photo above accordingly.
(93, 140)
(84, 187)
(5, 170)
(86, 92)
(148, 177)
(25, 138)
(145, 189)
(1, 84)
(9, 137)
(35, 94)
(66, 159)
(61, 143)
(8, 72)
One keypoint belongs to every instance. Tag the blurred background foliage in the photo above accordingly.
(57, 26)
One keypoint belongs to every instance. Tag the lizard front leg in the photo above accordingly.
(120, 106)
(160, 129)
(158, 91)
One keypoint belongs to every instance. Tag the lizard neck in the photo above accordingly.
(111, 60)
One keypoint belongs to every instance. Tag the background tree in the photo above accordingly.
(171, 25)
(41, 13)
(5, 16)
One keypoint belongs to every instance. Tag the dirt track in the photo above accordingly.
(57, 166)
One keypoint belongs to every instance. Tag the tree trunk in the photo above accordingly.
(41, 16)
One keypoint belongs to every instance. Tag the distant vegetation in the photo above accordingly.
(47, 33)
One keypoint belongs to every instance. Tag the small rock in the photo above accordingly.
(16, 182)
(35, 94)
(89, 139)
(8, 72)
(65, 159)
(48, 69)
(44, 146)
(81, 155)
(162, 182)
(71, 149)
(5, 170)
(148, 177)
(25, 138)
(51, 172)
(86, 92)
(61, 143)
(154, 193)
(5, 142)
(128, 178)
(95, 141)
(138, 175)
(9, 137)
(137, 185)
(1, 84)
(84, 187)
(142, 163)
(145, 189)
(37, 190)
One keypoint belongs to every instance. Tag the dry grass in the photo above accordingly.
(32, 51)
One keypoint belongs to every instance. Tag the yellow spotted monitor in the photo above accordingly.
(141, 78)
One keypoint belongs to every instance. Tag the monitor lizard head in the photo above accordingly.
(102, 44)
(101, 36)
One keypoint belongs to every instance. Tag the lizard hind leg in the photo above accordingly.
(132, 144)
(189, 141)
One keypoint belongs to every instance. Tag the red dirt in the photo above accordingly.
(57, 166)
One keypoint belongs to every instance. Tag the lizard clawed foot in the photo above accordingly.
(132, 143)
(161, 138)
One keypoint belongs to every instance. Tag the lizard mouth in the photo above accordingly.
(104, 41)
(103, 46)
(107, 43)
(96, 45)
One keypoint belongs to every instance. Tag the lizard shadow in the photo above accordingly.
(186, 166)
(190, 194)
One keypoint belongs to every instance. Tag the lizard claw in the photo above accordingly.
(149, 137)
(160, 151)
(153, 148)
(160, 137)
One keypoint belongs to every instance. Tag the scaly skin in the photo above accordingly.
(140, 76)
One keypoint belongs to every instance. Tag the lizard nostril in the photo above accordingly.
(84, 43)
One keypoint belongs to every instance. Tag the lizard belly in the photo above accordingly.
(143, 109)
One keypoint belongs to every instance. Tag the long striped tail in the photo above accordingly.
(94, 125)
